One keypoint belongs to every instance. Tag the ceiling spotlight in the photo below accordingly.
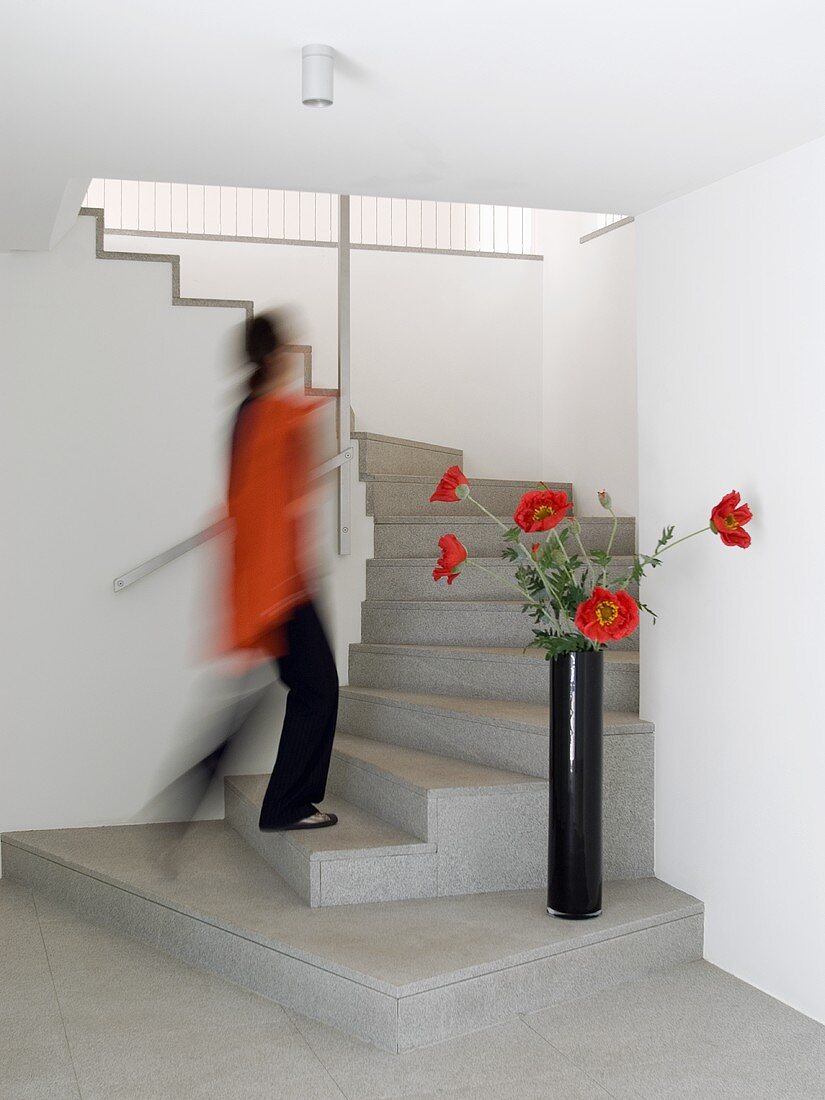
(316, 70)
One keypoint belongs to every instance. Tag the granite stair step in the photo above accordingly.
(392, 495)
(416, 536)
(386, 454)
(488, 824)
(455, 623)
(411, 824)
(484, 672)
(400, 974)
(362, 858)
(412, 579)
(509, 735)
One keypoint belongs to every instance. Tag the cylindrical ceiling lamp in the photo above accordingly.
(316, 69)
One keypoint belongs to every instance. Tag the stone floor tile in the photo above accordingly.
(502, 1062)
(35, 1062)
(770, 1074)
(142, 1025)
(693, 1031)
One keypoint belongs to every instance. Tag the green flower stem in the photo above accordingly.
(643, 562)
(512, 584)
(609, 543)
(566, 557)
(503, 526)
(523, 548)
(529, 557)
(684, 538)
(575, 526)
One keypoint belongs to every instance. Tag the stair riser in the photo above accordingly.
(486, 842)
(380, 457)
(400, 499)
(449, 625)
(420, 540)
(415, 582)
(566, 976)
(275, 848)
(497, 839)
(323, 882)
(411, 810)
(526, 679)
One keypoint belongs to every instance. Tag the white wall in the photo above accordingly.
(438, 341)
(115, 430)
(589, 359)
(448, 349)
(731, 329)
(113, 433)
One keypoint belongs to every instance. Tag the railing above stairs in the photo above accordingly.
(255, 214)
(339, 462)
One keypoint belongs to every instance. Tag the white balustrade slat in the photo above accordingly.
(243, 212)
(271, 214)
(178, 208)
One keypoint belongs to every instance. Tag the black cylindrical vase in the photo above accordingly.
(574, 880)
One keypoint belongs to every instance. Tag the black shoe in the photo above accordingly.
(318, 820)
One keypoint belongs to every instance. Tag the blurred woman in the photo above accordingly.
(272, 609)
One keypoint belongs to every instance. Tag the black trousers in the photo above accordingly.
(300, 775)
(308, 670)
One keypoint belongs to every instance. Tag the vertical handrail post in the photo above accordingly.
(344, 470)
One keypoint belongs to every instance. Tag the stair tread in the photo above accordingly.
(426, 771)
(488, 605)
(452, 517)
(531, 716)
(489, 562)
(398, 947)
(443, 605)
(478, 652)
(431, 479)
(358, 834)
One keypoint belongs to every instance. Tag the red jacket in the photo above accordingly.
(272, 460)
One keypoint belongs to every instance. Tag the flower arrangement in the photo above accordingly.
(565, 587)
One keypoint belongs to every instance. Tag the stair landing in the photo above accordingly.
(400, 974)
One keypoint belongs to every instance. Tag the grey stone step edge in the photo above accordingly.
(616, 723)
(454, 623)
(506, 674)
(624, 521)
(324, 877)
(620, 561)
(317, 855)
(386, 454)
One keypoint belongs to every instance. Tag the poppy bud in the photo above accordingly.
(604, 499)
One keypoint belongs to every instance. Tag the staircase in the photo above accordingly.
(422, 914)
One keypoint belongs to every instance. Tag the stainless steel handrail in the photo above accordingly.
(170, 555)
(179, 549)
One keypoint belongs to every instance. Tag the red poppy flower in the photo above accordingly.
(728, 518)
(453, 553)
(447, 488)
(607, 616)
(542, 509)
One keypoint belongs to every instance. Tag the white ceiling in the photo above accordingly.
(587, 105)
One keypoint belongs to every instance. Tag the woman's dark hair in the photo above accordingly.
(262, 337)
